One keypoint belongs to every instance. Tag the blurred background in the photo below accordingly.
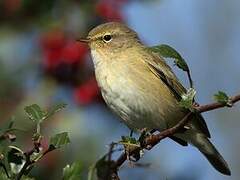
(40, 62)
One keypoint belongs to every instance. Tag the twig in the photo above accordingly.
(217, 105)
(190, 78)
(30, 162)
(155, 139)
(152, 140)
(5, 169)
(26, 164)
(111, 151)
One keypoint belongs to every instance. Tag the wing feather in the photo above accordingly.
(161, 69)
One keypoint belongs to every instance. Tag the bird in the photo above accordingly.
(141, 88)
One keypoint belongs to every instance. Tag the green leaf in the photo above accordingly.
(55, 109)
(15, 155)
(38, 115)
(15, 159)
(36, 137)
(91, 171)
(187, 99)
(130, 141)
(11, 123)
(27, 178)
(131, 144)
(73, 172)
(35, 113)
(1, 156)
(59, 140)
(167, 51)
(222, 98)
(103, 168)
(3, 176)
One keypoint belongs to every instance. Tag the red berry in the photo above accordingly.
(11, 6)
(73, 52)
(53, 39)
(108, 11)
(87, 92)
(52, 58)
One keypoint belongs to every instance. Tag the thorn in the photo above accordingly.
(186, 127)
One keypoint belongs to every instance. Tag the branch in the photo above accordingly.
(217, 105)
(190, 78)
(152, 140)
(5, 169)
(28, 162)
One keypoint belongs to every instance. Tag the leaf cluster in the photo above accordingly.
(16, 163)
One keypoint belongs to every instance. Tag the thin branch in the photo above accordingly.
(26, 164)
(5, 169)
(217, 105)
(190, 78)
(152, 140)
(29, 162)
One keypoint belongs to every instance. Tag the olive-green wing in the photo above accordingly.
(160, 68)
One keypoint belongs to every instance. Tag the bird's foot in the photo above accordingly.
(144, 134)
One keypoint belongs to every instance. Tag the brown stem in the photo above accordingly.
(217, 105)
(29, 162)
(152, 140)
(5, 169)
(26, 164)
(155, 139)
(190, 78)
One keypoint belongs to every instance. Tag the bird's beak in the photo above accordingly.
(84, 40)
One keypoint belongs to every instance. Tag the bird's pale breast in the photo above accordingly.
(133, 92)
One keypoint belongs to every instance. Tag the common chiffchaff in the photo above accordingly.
(142, 89)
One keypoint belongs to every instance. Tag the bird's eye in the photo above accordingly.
(107, 38)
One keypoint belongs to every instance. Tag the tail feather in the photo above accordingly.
(211, 153)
